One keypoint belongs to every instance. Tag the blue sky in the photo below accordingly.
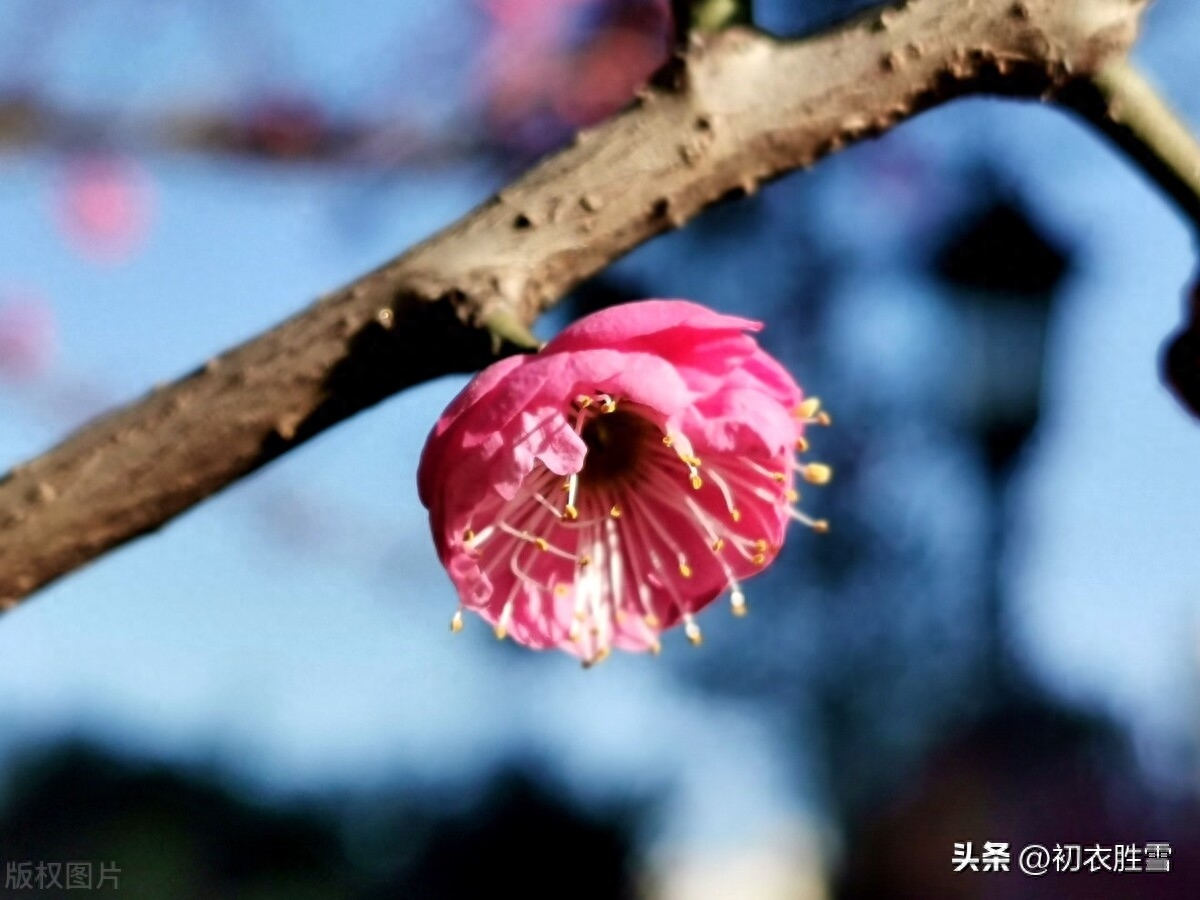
(331, 662)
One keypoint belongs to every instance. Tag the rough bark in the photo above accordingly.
(736, 109)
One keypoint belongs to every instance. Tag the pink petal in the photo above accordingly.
(614, 326)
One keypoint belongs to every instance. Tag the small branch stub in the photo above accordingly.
(1121, 103)
(709, 16)
(506, 326)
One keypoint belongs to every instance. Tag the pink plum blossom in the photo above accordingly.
(28, 336)
(547, 70)
(612, 485)
(608, 72)
(105, 204)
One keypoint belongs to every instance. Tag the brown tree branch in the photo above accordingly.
(737, 109)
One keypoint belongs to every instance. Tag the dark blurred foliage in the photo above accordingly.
(887, 647)
(186, 833)
(1032, 772)
(898, 664)
(999, 250)
(1181, 357)
(1002, 269)
(523, 833)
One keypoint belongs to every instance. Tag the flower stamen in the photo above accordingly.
(570, 511)
(820, 526)
(506, 614)
(817, 473)
(737, 600)
(808, 408)
(475, 541)
(540, 542)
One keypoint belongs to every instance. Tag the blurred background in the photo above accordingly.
(999, 640)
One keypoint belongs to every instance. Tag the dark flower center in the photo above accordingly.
(616, 444)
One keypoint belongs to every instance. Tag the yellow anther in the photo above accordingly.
(570, 512)
(793, 495)
(685, 570)
(585, 560)
(737, 603)
(615, 512)
(801, 445)
(542, 543)
(817, 473)
(652, 621)
(668, 440)
(456, 623)
(601, 655)
(759, 559)
(692, 630)
(691, 460)
(718, 545)
(468, 536)
(609, 405)
(583, 401)
(560, 590)
(821, 526)
(697, 482)
(823, 418)
(735, 514)
(760, 545)
(656, 648)
(501, 631)
(779, 476)
(808, 408)
(566, 486)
